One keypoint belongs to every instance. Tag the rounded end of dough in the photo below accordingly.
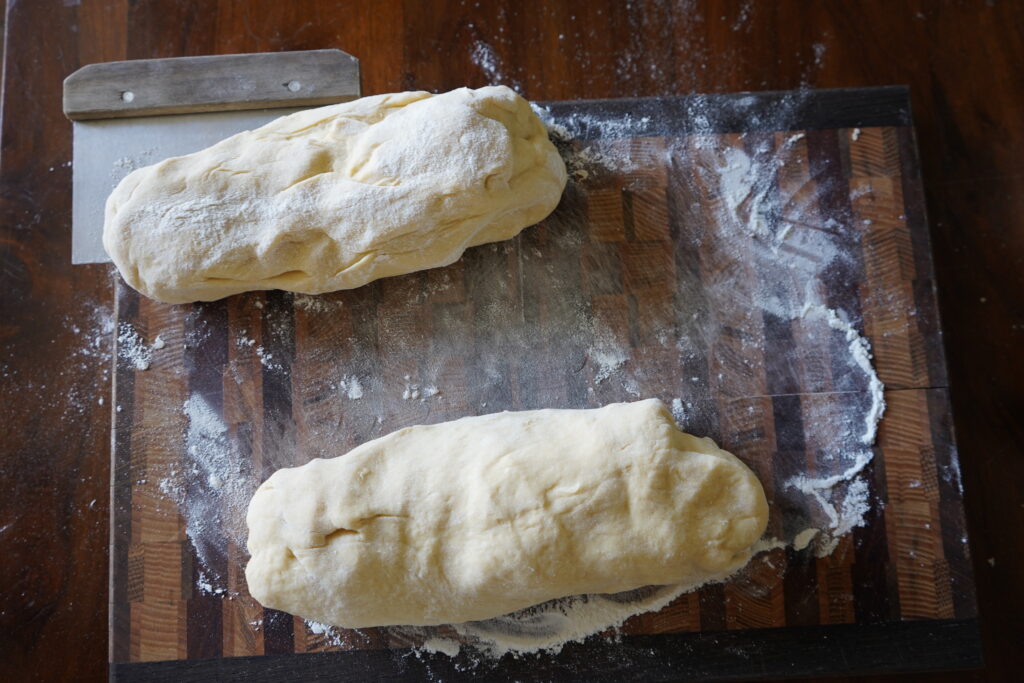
(731, 508)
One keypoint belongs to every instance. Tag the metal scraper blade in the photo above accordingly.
(135, 113)
(107, 150)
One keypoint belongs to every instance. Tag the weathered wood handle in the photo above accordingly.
(149, 87)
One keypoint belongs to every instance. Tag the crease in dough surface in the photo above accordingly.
(335, 197)
(478, 517)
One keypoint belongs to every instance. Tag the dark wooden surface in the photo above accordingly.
(718, 655)
(961, 60)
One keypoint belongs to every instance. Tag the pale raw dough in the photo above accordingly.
(335, 197)
(474, 518)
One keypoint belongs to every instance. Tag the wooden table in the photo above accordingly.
(961, 64)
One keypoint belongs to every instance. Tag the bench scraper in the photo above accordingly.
(135, 113)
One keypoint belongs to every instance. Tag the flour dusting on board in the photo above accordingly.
(550, 626)
(212, 488)
(131, 347)
(765, 198)
(766, 217)
(511, 322)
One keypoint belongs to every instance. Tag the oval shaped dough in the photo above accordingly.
(474, 518)
(335, 197)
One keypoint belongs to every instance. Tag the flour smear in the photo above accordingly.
(212, 487)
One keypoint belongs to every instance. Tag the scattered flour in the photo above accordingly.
(846, 514)
(819, 53)
(607, 358)
(860, 351)
(125, 165)
(547, 627)
(351, 387)
(678, 412)
(550, 626)
(442, 645)
(211, 487)
(767, 544)
(266, 358)
(132, 349)
(330, 633)
(314, 304)
(600, 154)
(204, 584)
(417, 392)
(485, 58)
(746, 185)
(766, 215)
(804, 538)
(951, 473)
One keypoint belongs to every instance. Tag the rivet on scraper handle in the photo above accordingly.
(136, 113)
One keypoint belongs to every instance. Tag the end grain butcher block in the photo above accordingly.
(733, 256)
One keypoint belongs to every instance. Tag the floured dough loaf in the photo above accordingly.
(474, 518)
(335, 197)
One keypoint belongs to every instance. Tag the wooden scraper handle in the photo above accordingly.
(149, 87)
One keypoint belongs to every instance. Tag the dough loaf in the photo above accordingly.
(335, 197)
(475, 518)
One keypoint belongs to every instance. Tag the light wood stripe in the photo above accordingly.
(835, 584)
(873, 154)
(160, 615)
(604, 211)
(242, 614)
(682, 615)
(912, 510)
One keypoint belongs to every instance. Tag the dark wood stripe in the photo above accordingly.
(206, 329)
(789, 428)
(927, 320)
(844, 275)
(362, 312)
(752, 654)
(278, 632)
(627, 216)
(121, 483)
(951, 512)
(800, 581)
(487, 394)
(779, 345)
(876, 594)
(688, 229)
(914, 202)
(278, 341)
(745, 112)
(712, 607)
(556, 281)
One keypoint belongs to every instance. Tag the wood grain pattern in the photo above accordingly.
(151, 87)
(960, 60)
(631, 260)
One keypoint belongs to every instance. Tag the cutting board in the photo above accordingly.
(695, 246)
